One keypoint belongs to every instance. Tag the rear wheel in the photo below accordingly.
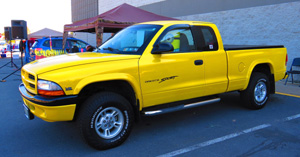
(105, 120)
(257, 93)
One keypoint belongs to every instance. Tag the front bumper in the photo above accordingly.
(50, 109)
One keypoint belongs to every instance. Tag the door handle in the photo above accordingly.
(198, 62)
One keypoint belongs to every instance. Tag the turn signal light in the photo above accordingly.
(51, 93)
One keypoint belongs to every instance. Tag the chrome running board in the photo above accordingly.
(180, 107)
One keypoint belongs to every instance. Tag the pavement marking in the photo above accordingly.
(292, 117)
(217, 140)
(297, 96)
(223, 138)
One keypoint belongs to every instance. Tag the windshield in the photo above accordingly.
(131, 40)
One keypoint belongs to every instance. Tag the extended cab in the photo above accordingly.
(148, 68)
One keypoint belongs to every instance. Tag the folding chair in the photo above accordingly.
(296, 63)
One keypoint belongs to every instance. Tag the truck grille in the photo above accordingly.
(31, 77)
(29, 81)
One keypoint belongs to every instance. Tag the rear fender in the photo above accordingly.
(256, 64)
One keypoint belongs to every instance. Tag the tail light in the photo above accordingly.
(286, 59)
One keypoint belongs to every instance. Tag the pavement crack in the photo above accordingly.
(274, 140)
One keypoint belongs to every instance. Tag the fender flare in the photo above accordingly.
(134, 83)
(255, 64)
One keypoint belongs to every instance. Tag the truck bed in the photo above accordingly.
(245, 47)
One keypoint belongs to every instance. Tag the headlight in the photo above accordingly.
(49, 88)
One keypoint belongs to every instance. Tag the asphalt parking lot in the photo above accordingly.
(219, 129)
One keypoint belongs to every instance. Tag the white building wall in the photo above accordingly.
(87, 37)
(90, 37)
(265, 25)
(105, 5)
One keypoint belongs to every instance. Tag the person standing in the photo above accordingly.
(21, 49)
(27, 51)
(26, 47)
(8, 47)
(29, 44)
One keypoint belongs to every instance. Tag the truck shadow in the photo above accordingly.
(229, 102)
(156, 129)
(64, 133)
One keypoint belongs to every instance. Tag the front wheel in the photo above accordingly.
(105, 120)
(257, 93)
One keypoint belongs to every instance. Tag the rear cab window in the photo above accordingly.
(205, 38)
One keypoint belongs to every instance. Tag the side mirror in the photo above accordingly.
(162, 48)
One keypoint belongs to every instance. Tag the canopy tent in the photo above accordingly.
(46, 32)
(112, 21)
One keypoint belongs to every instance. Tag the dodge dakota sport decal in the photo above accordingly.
(161, 80)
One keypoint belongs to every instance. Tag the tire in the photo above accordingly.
(105, 120)
(257, 93)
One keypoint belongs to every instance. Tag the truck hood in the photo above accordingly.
(75, 59)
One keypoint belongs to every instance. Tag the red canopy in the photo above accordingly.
(115, 19)
(112, 21)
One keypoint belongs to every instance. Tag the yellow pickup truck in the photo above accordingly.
(147, 69)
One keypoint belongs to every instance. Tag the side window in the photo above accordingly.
(46, 43)
(73, 43)
(80, 44)
(210, 42)
(57, 43)
(181, 39)
(77, 43)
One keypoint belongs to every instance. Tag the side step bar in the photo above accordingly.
(180, 107)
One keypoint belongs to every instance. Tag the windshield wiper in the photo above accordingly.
(111, 49)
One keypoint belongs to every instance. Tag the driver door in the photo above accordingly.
(172, 76)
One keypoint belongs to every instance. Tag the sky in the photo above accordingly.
(39, 14)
